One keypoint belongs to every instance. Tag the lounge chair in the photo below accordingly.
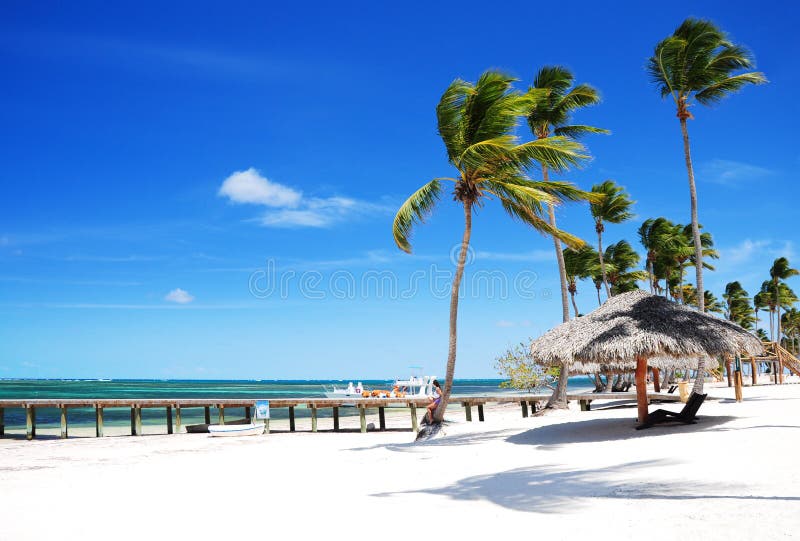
(672, 389)
(688, 415)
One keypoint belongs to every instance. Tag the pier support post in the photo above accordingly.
(480, 412)
(586, 405)
(63, 422)
(335, 418)
(468, 411)
(313, 418)
(248, 416)
(133, 420)
(169, 419)
(2, 421)
(221, 410)
(207, 411)
(362, 417)
(266, 426)
(138, 420)
(532, 403)
(30, 422)
(291, 418)
(524, 408)
(382, 417)
(98, 421)
(177, 419)
(414, 420)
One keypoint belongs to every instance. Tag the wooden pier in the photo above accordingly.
(173, 408)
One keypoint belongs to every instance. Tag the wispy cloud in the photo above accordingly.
(738, 257)
(179, 296)
(535, 255)
(731, 173)
(292, 209)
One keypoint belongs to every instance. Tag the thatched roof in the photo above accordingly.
(638, 324)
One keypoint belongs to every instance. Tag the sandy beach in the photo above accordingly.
(561, 475)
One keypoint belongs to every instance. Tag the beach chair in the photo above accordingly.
(672, 389)
(688, 415)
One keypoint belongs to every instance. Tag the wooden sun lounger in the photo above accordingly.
(688, 415)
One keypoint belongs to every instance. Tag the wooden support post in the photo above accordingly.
(138, 420)
(133, 420)
(266, 426)
(221, 410)
(641, 388)
(177, 419)
(207, 411)
(30, 422)
(362, 416)
(291, 418)
(335, 419)
(480, 412)
(414, 420)
(780, 365)
(313, 418)
(754, 372)
(63, 422)
(524, 408)
(532, 404)
(586, 405)
(248, 414)
(2, 421)
(98, 421)
(738, 385)
(656, 380)
(169, 419)
(382, 417)
(468, 411)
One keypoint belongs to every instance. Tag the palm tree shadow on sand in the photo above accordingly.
(555, 489)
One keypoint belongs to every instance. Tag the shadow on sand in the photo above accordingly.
(555, 489)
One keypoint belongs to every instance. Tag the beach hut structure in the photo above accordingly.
(636, 329)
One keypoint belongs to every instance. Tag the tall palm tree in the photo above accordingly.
(737, 305)
(781, 270)
(791, 325)
(550, 115)
(614, 208)
(698, 62)
(476, 122)
(655, 234)
(578, 265)
(621, 259)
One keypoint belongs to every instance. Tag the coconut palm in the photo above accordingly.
(614, 208)
(791, 326)
(656, 236)
(621, 259)
(781, 270)
(772, 297)
(476, 122)
(699, 63)
(578, 265)
(557, 99)
(737, 305)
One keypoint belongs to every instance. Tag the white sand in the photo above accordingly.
(565, 475)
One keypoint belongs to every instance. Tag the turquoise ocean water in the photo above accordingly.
(265, 389)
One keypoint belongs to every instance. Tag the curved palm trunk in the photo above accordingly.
(451, 352)
(600, 255)
(698, 249)
(599, 302)
(650, 271)
(778, 320)
(574, 306)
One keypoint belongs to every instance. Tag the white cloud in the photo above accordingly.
(250, 187)
(535, 255)
(179, 295)
(504, 323)
(291, 208)
(731, 173)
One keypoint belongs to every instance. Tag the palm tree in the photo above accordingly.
(772, 297)
(621, 259)
(791, 325)
(551, 115)
(613, 208)
(698, 62)
(781, 270)
(655, 234)
(578, 265)
(737, 305)
(476, 123)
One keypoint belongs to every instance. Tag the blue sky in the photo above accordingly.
(163, 165)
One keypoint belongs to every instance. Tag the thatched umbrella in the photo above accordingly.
(633, 328)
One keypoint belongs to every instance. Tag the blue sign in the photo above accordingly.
(262, 409)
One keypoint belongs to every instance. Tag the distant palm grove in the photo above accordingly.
(491, 160)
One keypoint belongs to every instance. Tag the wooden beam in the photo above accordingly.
(138, 419)
(133, 420)
(382, 417)
(336, 418)
(30, 422)
(266, 426)
(532, 404)
(221, 410)
(207, 412)
(177, 419)
(313, 419)
(641, 388)
(248, 414)
(754, 372)
(480, 412)
(362, 417)
(64, 422)
(98, 421)
(586, 405)
(524, 405)
(2, 421)
(414, 421)
(657, 380)
(169, 419)
(468, 411)
(291, 418)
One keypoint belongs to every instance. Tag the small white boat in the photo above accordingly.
(251, 429)
(416, 386)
